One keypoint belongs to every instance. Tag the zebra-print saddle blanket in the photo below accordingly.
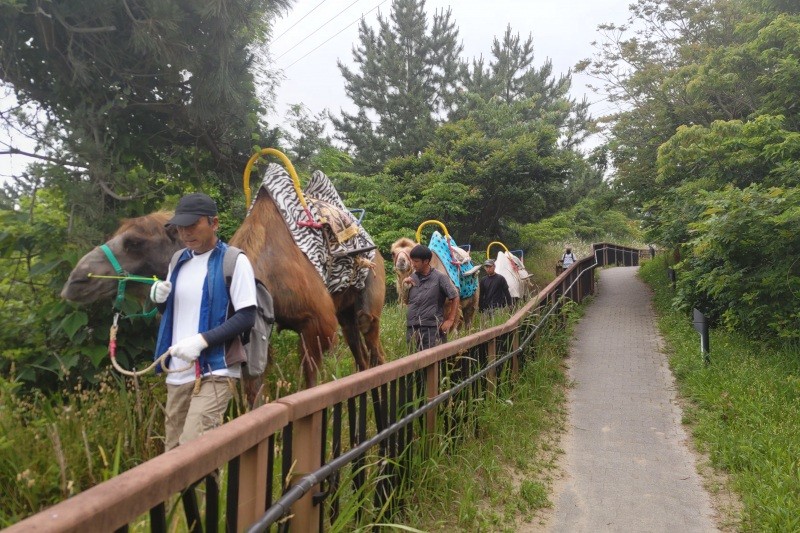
(336, 249)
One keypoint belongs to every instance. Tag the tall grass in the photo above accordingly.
(54, 447)
(744, 410)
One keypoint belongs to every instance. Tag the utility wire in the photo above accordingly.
(299, 21)
(337, 33)
(315, 31)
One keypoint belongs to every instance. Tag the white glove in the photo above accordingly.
(160, 290)
(189, 348)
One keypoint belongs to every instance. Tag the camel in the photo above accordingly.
(143, 247)
(402, 267)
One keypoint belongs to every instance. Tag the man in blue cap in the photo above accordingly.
(202, 321)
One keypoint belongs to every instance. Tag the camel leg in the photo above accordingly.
(253, 387)
(353, 337)
(316, 338)
(371, 329)
(469, 312)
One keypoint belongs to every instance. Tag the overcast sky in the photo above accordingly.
(316, 33)
(562, 30)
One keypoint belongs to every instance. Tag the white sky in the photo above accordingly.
(562, 30)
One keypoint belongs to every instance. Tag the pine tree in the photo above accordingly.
(404, 83)
(511, 77)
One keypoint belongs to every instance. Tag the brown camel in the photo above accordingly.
(401, 249)
(143, 246)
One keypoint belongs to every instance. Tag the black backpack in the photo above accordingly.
(255, 341)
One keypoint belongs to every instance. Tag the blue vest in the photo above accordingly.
(213, 312)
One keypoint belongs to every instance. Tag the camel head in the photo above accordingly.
(401, 258)
(142, 246)
(401, 248)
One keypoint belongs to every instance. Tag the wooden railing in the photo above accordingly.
(388, 408)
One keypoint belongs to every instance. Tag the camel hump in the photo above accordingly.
(466, 284)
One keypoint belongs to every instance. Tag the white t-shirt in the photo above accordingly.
(188, 295)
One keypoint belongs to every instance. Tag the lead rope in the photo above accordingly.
(112, 351)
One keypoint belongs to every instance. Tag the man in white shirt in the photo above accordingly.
(202, 318)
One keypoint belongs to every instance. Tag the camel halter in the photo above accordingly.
(123, 277)
(310, 222)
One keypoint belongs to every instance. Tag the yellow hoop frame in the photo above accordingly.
(286, 163)
(490, 246)
(427, 222)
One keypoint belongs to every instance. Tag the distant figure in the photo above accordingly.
(652, 251)
(568, 258)
(494, 293)
(426, 324)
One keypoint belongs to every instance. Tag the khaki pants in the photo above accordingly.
(188, 415)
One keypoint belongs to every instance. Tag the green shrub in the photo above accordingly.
(740, 267)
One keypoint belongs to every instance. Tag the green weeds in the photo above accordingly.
(743, 410)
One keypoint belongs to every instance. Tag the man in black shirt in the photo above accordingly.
(494, 292)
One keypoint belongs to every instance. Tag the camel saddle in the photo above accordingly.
(341, 251)
(457, 262)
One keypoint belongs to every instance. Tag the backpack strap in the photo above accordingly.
(229, 263)
(174, 261)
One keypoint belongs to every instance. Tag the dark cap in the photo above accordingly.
(191, 207)
(488, 263)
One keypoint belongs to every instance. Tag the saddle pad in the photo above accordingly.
(466, 285)
(511, 267)
(341, 222)
(343, 272)
(504, 267)
(338, 273)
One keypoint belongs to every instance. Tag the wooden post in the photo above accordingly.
(491, 376)
(306, 450)
(252, 484)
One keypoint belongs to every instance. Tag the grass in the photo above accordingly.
(54, 447)
(743, 411)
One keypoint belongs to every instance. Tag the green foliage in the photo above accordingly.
(511, 77)
(742, 411)
(129, 99)
(54, 446)
(732, 152)
(480, 175)
(709, 146)
(595, 218)
(47, 341)
(741, 264)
